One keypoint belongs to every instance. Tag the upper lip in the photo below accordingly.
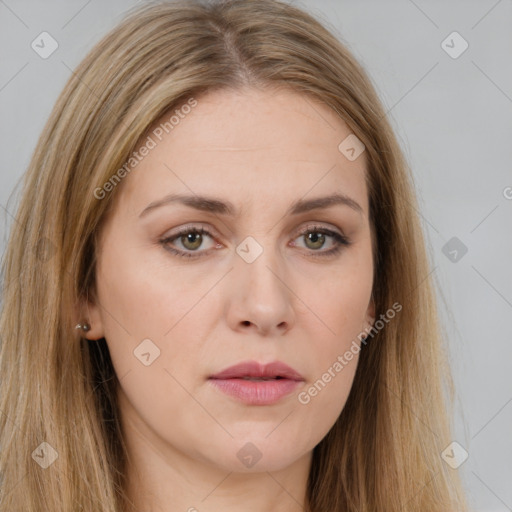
(255, 369)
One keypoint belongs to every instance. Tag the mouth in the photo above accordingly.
(255, 384)
(254, 370)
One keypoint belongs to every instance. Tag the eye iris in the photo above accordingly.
(190, 238)
(316, 238)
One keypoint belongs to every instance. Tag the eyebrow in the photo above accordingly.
(216, 206)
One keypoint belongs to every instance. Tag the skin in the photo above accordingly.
(261, 150)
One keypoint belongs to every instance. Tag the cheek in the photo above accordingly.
(333, 356)
(334, 338)
(151, 317)
(151, 307)
(322, 400)
(340, 305)
(339, 296)
(143, 296)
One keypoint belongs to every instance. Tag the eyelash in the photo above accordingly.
(340, 240)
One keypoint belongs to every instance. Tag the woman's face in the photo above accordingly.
(268, 280)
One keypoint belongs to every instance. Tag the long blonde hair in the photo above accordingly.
(384, 451)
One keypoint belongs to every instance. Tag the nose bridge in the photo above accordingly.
(257, 264)
(261, 294)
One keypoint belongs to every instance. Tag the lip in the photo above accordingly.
(234, 382)
(255, 369)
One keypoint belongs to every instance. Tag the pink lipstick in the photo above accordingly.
(257, 384)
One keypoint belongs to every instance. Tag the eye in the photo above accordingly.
(315, 238)
(190, 239)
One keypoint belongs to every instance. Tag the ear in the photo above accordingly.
(90, 313)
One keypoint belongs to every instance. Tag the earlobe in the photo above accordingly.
(90, 323)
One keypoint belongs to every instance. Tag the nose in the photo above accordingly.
(260, 296)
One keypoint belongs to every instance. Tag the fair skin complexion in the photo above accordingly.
(261, 151)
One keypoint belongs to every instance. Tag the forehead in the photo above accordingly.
(249, 144)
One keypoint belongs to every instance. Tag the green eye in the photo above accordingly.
(315, 238)
(191, 239)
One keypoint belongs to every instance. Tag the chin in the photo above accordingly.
(254, 454)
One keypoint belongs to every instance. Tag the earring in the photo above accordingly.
(85, 327)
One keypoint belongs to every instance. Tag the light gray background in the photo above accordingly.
(453, 117)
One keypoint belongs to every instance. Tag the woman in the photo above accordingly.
(216, 291)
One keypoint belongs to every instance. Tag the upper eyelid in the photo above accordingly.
(315, 226)
(213, 232)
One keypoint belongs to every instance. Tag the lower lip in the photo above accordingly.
(252, 392)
